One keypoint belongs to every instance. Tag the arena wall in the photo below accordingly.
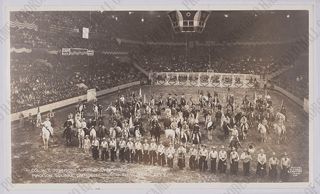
(70, 101)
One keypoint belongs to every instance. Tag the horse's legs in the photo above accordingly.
(44, 143)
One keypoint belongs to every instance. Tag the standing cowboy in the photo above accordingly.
(104, 152)
(203, 153)
(213, 155)
(246, 158)
(113, 149)
(273, 165)
(181, 156)
(138, 149)
(222, 164)
(261, 166)
(161, 155)
(130, 151)
(285, 165)
(170, 155)
(234, 161)
(193, 157)
(95, 148)
(122, 149)
(146, 152)
(153, 152)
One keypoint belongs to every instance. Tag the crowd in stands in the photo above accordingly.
(41, 80)
(242, 59)
(295, 80)
(33, 73)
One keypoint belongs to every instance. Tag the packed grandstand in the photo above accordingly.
(36, 52)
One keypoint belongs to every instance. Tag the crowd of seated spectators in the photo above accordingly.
(254, 60)
(37, 81)
(295, 81)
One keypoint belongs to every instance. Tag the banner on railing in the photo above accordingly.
(205, 79)
(76, 51)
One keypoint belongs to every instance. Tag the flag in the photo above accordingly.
(130, 123)
(140, 93)
(85, 33)
(144, 98)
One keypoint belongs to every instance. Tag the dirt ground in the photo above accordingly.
(62, 164)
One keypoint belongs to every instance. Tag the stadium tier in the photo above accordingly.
(39, 52)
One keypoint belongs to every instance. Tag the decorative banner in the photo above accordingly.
(76, 51)
(20, 50)
(65, 51)
(183, 79)
(161, 79)
(20, 25)
(90, 52)
(193, 79)
(206, 79)
(172, 79)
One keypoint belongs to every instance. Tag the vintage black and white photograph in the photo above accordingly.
(171, 96)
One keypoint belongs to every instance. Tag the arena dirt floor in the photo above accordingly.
(62, 164)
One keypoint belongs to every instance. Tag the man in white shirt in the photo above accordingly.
(222, 164)
(104, 149)
(285, 165)
(193, 157)
(181, 156)
(213, 155)
(153, 152)
(122, 149)
(161, 154)
(170, 155)
(234, 161)
(113, 149)
(146, 152)
(246, 158)
(261, 165)
(203, 153)
(138, 150)
(95, 148)
(130, 151)
(273, 166)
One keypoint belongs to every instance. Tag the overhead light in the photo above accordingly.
(288, 15)
(130, 12)
(226, 15)
(142, 19)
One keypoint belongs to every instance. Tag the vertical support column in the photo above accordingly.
(199, 75)
(188, 80)
(233, 81)
(177, 83)
(167, 79)
(220, 80)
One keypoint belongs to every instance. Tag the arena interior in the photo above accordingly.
(246, 65)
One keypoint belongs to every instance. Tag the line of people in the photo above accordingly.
(200, 157)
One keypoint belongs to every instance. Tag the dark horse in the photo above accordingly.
(155, 130)
(68, 132)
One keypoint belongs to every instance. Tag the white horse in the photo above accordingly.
(112, 110)
(263, 132)
(46, 132)
(281, 131)
(280, 118)
(93, 134)
(170, 134)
